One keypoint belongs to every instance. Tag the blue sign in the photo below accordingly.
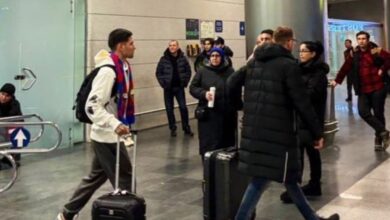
(218, 26)
(20, 137)
(242, 28)
(345, 27)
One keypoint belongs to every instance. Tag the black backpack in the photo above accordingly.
(83, 93)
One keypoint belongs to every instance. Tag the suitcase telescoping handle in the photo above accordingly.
(117, 190)
(133, 174)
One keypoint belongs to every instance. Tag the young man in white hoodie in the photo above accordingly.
(111, 116)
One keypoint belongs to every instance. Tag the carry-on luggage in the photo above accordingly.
(224, 185)
(120, 205)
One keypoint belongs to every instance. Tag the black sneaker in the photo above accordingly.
(285, 197)
(332, 217)
(173, 133)
(385, 139)
(312, 189)
(378, 143)
(188, 132)
(348, 99)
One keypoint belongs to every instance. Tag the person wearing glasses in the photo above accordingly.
(217, 123)
(314, 72)
(273, 98)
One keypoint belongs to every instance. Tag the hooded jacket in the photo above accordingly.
(273, 98)
(364, 67)
(165, 70)
(103, 106)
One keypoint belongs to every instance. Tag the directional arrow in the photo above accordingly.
(20, 137)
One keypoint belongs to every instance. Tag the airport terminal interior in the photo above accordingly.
(48, 47)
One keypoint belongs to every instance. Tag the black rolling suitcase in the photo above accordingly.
(120, 205)
(224, 185)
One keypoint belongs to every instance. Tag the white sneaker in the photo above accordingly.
(61, 216)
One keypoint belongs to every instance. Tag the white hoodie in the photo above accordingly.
(101, 108)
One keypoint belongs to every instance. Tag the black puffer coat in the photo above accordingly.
(201, 60)
(164, 71)
(274, 95)
(316, 83)
(218, 129)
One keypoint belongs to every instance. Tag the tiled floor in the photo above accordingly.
(169, 175)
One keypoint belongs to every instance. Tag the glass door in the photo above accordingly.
(48, 38)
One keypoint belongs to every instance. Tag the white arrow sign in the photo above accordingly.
(20, 137)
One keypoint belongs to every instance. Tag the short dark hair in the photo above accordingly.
(118, 36)
(283, 34)
(348, 40)
(211, 40)
(268, 31)
(365, 33)
(220, 40)
(314, 46)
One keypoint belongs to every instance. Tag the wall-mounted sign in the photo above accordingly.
(20, 137)
(218, 26)
(343, 28)
(192, 29)
(207, 29)
(242, 28)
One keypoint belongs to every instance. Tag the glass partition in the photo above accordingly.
(47, 37)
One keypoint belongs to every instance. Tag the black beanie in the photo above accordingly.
(8, 88)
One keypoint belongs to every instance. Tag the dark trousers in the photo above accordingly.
(256, 188)
(314, 160)
(103, 168)
(179, 93)
(371, 108)
(349, 86)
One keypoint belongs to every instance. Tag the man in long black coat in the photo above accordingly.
(274, 96)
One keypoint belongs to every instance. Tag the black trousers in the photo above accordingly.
(314, 160)
(169, 95)
(103, 168)
(349, 86)
(371, 108)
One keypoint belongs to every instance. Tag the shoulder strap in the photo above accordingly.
(113, 91)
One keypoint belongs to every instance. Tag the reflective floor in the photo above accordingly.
(169, 174)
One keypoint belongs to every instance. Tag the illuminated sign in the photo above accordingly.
(345, 27)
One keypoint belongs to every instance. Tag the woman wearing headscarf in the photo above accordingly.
(217, 125)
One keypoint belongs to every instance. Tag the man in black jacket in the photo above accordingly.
(274, 96)
(173, 73)
(9, 106)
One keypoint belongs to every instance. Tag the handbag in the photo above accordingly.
(201, 113)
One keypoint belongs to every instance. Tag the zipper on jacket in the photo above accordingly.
(285, 168)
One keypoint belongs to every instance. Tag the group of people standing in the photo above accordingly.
(283, 109)
(282, 98)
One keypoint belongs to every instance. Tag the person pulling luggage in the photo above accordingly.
(109, 118)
